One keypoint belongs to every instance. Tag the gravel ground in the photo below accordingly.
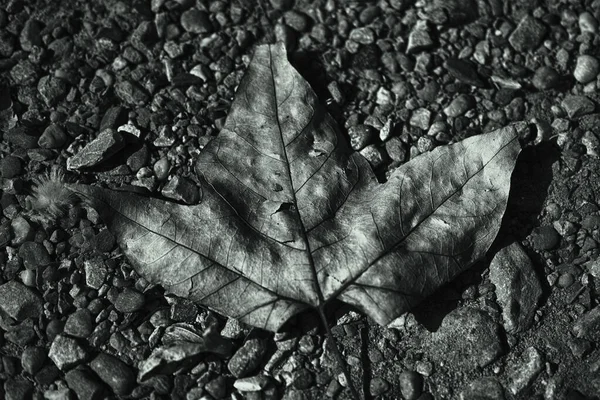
(129, 92)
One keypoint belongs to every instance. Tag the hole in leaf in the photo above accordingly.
(285, 207)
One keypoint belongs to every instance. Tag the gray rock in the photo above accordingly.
(79, 324)
(587, 22)
(544, 238)
(30, 35)
(421, 118)
(114, 372)
(52, 89)
(17, 389)
(453, 12)
(282, 4)
(419, 38)
(131, 93)
(588, 325)
(66, 352)
(362, 35)
(22, 137)
(545, 78)
(518, 288)
(181, 189)
(19, 301)
(253, 383)
(217, 388)
(528, 35)
(196, 21)
(485, 388)
(107, 143)
(84, 384)
(591, 143)
(34, 255)
(396, 149)
(373, 155)
(586, 69)
(33, 358)
(54, 137)
(129, 300)
(378, 386)
(460, 105)
(361, 136)
(411, 384)
(522, 374)
(467, 338)
(247, 359)
(297, 20)
(578, 106)
(464, 71)
(95, 272)
(10, 166)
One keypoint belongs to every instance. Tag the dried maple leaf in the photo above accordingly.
(290, 218)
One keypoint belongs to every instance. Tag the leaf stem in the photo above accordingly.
(338, 355)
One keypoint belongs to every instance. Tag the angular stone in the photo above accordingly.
(464, 71)
(522, 374)
(467, 338)
(485, 388)
(181, 189)
(588, 325)
(421, 118)
(361, 136)
(54, 137)
(33, 358)
(79, 324)
(114, 372)
(107, 143)
(528, 35)
(518, 288)
(66, 352)
(34, 255)
(19, 301)
(52, 89)
(84, 384)
(578, 106)
(131, 93)
(95, 273)
(419, 38)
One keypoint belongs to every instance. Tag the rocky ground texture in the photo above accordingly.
(129, 92)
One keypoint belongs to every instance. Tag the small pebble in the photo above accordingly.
(586, 69)
(10, 166)
(587, 22)
(545, 78)
(129, 300)
(361, 136)
(161, 169)
(33, 358)
(79, 324)
(196, 21)
(114, 372)
(544, 238)
(247, 358)
(411, 384)
(66, 352)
